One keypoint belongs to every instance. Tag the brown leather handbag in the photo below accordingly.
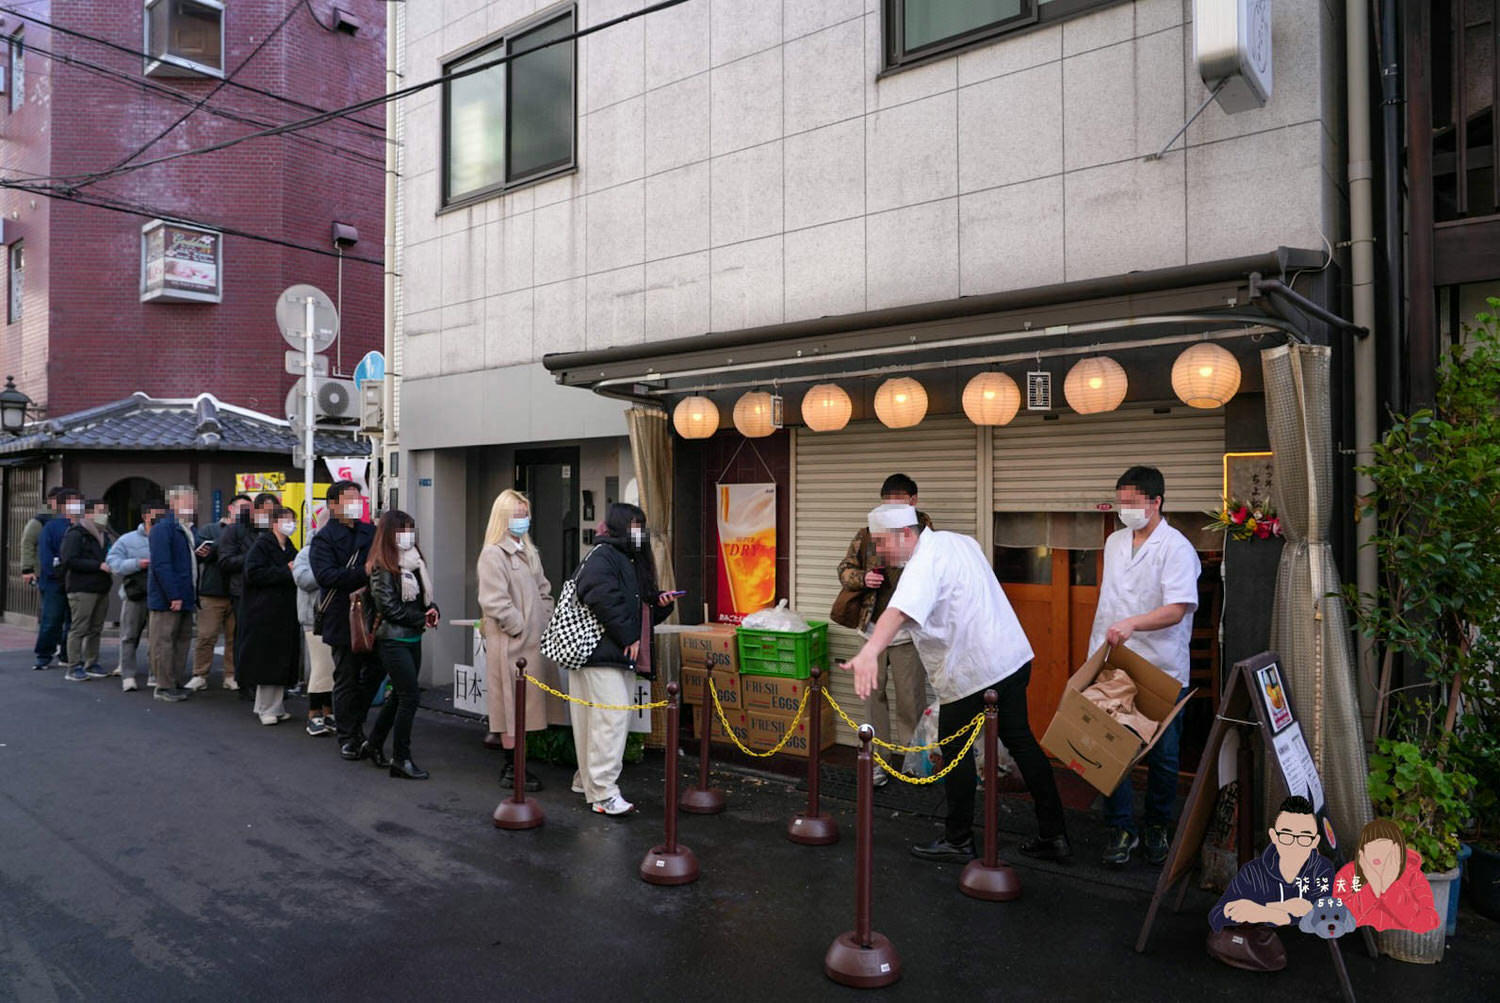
(848, 608)
(362, 624)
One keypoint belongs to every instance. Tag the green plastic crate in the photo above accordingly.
(789, 654)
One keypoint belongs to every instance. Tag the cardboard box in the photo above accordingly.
(767, 727)
(775, 694)
(737, 721)
(710, 647)
(1093, 744)
(726, 682)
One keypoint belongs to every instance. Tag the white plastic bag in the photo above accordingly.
(926, 763)
(778, 617)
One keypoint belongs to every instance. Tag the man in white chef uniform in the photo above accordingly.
(1146, 603)
(969, 641)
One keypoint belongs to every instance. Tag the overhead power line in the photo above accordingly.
(146, 212)
(358, 106)
(374, 127)
(151, 86)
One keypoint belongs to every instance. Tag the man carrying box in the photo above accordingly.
(867, 586)
(1146, 602)
(970, 641)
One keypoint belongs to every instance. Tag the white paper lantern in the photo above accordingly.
(1095, 385)
(901, 402)
(991, 399)
(1205, 375)
(695, 418)
(752, 415)
(826, 408)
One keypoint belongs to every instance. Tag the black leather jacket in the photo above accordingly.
(398, 618)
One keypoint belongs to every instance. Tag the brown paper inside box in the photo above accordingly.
(1093, 744)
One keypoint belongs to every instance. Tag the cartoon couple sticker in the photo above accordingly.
(1291, 881)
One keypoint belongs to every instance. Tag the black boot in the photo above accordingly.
(508, 774)
(374, 754)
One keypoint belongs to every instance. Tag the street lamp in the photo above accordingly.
(13, 405)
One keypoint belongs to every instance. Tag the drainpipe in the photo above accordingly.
(1362, 259)
(392, 162)
(1395, 211)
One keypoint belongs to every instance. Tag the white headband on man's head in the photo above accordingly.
(890, 516)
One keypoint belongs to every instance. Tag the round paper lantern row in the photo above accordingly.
(901, 402)
(991, 399)
(695, 418)
(752, 415)
(826, 408)
(1095, 384)
(1205, 375)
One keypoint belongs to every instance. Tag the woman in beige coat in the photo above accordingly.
(515, 600)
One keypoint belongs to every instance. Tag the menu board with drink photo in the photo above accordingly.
(746, 516)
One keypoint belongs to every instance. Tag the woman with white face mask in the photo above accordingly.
(515, 601)
(401, 594)
(269, 635)
(617, 582)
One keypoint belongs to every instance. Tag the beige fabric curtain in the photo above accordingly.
(651, 451)
(1309, 630)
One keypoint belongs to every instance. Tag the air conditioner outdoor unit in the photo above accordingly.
(336, 399)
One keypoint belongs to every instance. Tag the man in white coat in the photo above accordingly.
(969, 641)
(1146, 603)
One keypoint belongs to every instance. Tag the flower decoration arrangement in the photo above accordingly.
(1250, 518)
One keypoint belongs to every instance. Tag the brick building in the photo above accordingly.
(81, 96)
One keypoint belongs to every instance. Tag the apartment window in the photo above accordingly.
(184, 38)
(919, 30)
(515, 122)
(17, 269)
(17, 55)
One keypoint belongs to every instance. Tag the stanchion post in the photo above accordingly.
(703, 799)
(814, 827)
(990, 878)
(519, 811)
(671, 863)
(861, 957)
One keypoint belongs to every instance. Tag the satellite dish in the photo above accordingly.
(291, 315)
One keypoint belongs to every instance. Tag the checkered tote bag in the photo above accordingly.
(574, 631)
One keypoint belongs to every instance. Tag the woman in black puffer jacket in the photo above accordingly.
(401, 594)
(617, 582)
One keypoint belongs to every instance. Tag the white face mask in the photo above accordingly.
(637, 537)
(75, 508)
(101, 518)
(185, 515)
(288, 527)
(406, 539)
(263, 519)
(1134, 518)
(354, 509)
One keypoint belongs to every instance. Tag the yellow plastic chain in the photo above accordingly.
(588, 703)
(940, 774)
(786, 736)
(891, 746)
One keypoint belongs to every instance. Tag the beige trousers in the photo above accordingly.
(901, 672)
(215, 614)
(599, 735)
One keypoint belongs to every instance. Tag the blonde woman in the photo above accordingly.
(515, 600)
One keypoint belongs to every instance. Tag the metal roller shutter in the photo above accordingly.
(837, 481)
(1070, 464)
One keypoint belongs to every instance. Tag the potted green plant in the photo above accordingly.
(1429, 802)
(1436, 609)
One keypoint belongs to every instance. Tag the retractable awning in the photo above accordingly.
(1146, 311)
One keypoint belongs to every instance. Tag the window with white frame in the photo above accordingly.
(514, 122)
(17, 56)
(184, 38)
(919, 30)
(17, 285)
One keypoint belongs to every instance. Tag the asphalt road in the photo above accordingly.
(153, 851)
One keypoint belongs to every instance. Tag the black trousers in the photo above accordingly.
(355, 678)
(1015, 733)
(401, 660)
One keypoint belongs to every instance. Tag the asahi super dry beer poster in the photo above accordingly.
(747, 549)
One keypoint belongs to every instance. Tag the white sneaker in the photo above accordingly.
(577, 784)
(614, 807)
(269, 719)
(117, 671)
(197, 683)
(128, 684)
(231, 685)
